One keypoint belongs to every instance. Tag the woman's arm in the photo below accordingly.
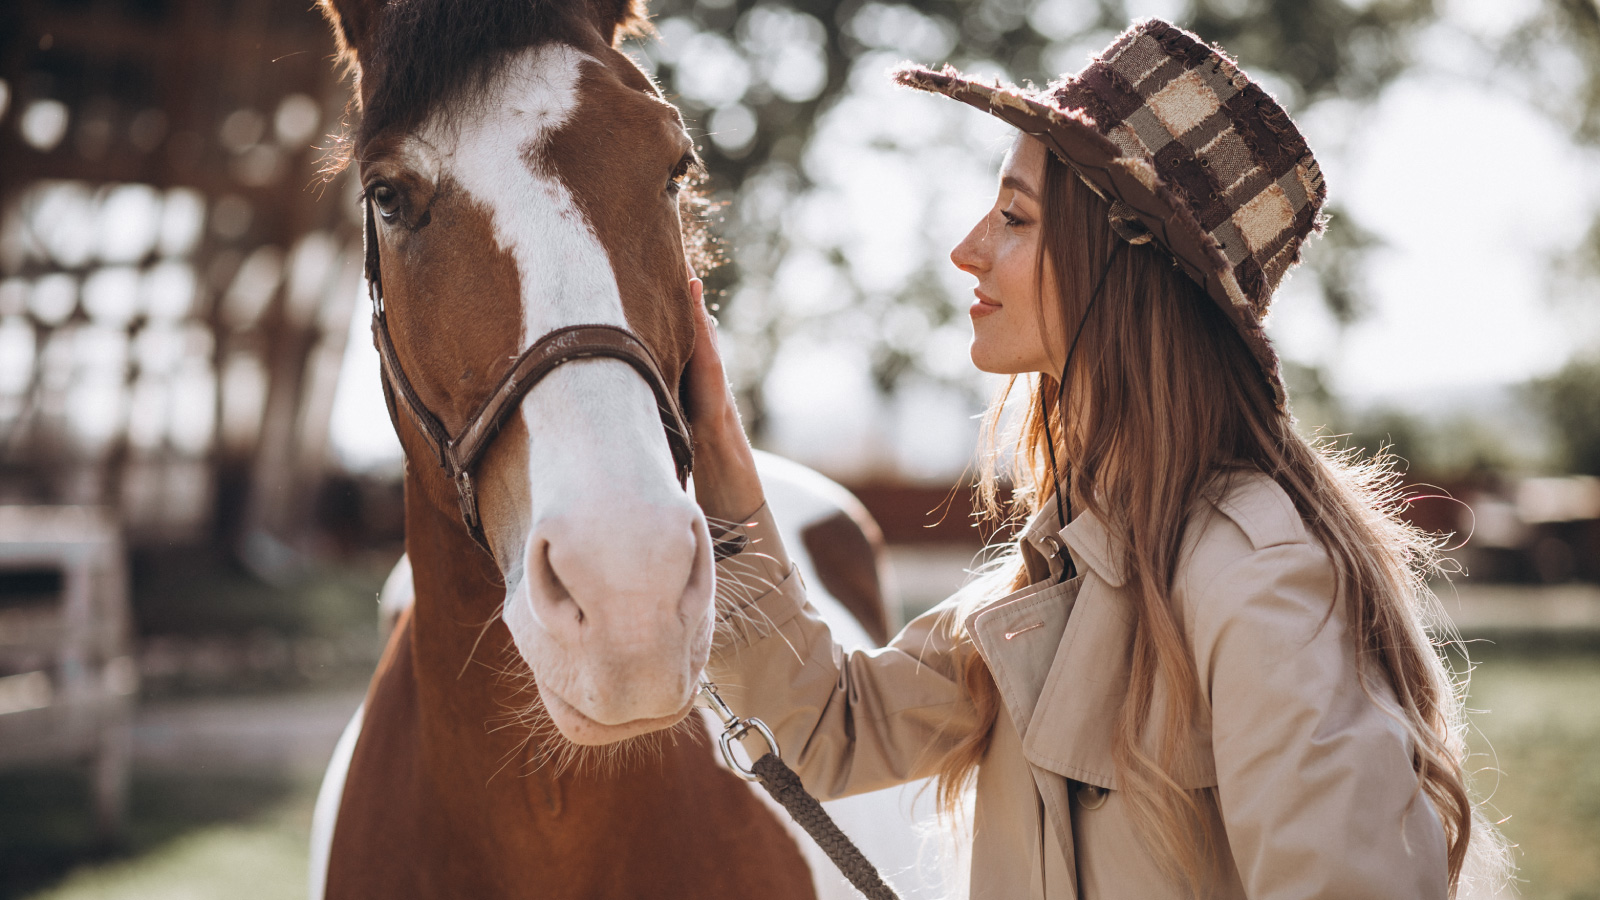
(846, 722)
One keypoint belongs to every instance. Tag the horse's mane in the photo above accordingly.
(424, 49)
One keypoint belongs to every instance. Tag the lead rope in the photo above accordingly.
(773, 774)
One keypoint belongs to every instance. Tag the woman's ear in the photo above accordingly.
(354, 22)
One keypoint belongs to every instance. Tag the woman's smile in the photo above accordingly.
(984, 305)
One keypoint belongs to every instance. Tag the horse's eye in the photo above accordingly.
(680, 173)
(386, 198)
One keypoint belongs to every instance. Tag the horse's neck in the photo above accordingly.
(435, 790)
(467, 673)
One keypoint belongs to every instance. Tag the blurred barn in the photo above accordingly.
(176, 285)
(175, 280)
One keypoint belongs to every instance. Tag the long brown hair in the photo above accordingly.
(1162, 396)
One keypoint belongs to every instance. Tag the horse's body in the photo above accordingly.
(440, 802)
(886, 823)
(520, 180)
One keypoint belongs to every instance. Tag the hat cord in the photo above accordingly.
(1064, 505)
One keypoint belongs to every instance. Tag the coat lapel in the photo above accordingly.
(1018, 636)
(1060, 652)
(1020, 633)
(1080, 695)
(1075, 704)
(1061, 655)
(1021, 636)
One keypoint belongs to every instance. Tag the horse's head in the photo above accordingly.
(523, 176)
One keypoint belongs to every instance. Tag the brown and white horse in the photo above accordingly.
(523, 176)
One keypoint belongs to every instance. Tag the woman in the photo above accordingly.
(1202, 670)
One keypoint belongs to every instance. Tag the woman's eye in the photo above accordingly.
(1012, 219)
(387, 199)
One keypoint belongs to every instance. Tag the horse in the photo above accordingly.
(528, 731)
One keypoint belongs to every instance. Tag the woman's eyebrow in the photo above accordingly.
(1018, 185)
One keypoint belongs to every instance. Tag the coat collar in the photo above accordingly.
(1088, 539)
(1061, 654)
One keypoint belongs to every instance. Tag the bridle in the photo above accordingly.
(460, 454)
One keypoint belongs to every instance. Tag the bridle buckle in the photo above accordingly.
(468, 497)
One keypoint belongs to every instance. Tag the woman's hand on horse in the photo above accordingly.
(725, 480)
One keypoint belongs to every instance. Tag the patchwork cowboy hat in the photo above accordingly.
(1188, 151)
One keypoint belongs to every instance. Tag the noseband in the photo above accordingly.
(460, 454)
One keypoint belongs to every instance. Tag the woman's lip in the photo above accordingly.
(983, 307)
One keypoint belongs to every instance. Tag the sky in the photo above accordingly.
(1472, 191)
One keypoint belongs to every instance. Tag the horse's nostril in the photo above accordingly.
(622, 573)
(550, 594)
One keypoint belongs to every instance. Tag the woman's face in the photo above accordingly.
(1010, 317)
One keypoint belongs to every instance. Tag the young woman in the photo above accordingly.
(1202, 670)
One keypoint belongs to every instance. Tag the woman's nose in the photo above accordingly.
(968, 255)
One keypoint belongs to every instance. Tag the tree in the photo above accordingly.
(1570, 400)
(761, 80)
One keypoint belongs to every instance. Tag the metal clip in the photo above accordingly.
(1055, 555)
(469, 499)
(734, 729)
(1054, 549)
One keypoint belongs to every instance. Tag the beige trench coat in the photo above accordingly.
(1310, 779)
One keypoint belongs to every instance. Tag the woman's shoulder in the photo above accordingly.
(1251, 504)
(1245, 535)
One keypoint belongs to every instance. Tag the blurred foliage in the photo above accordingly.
(1445, 446)
(768, 73)
(1315, 48)
(1580, 265)
(1570, 400)
(1450, 448)
(1337, 258)
(1322, 48)
(1559, 47)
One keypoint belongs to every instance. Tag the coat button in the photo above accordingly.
(1091, 796)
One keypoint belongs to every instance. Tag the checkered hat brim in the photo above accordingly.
(1188, 150)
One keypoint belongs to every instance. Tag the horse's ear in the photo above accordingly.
(353, 23)
(617, 19)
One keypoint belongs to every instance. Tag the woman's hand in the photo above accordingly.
(725, 479)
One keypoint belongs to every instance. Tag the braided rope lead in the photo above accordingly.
(784, 786)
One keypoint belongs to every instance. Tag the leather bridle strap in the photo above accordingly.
(460, 454)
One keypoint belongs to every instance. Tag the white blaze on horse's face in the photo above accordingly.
(608, 576)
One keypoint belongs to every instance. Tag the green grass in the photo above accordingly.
(188, 835)
(259, 860)
(1536, 750)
